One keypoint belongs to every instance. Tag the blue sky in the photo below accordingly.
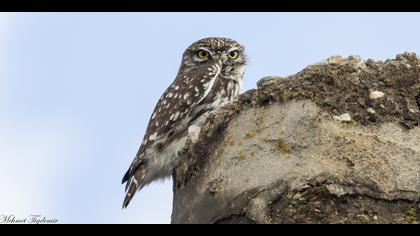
(77, 89)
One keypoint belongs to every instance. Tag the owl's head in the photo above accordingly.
(226, 53)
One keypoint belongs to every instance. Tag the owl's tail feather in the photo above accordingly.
(126, 177)
(129, 196)
(134, 183)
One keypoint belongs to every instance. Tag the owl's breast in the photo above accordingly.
(224, 91)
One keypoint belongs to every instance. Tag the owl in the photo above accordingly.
(210, 75)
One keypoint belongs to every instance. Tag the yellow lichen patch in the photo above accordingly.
(412, 214)
(286, 95)
(267, 137)
(241, 143)
(229, 141)
(249, 134)
(242, 156)
(289, 195)
(283, 147)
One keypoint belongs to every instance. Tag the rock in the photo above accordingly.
(371, 110)
(376, 94)
(278, 156)
(343, 117)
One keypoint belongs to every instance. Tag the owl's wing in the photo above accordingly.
(188, 90)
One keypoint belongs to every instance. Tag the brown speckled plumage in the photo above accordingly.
(200, 86)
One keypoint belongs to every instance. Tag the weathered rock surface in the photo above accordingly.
(339, 142)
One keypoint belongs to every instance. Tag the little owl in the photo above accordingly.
(210, 75)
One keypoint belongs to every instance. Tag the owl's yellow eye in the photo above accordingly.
(202, 54)
(233, 55)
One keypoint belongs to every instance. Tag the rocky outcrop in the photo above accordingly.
(339, 142)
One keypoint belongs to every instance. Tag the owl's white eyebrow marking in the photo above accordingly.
(205, 49)
(232, 49)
